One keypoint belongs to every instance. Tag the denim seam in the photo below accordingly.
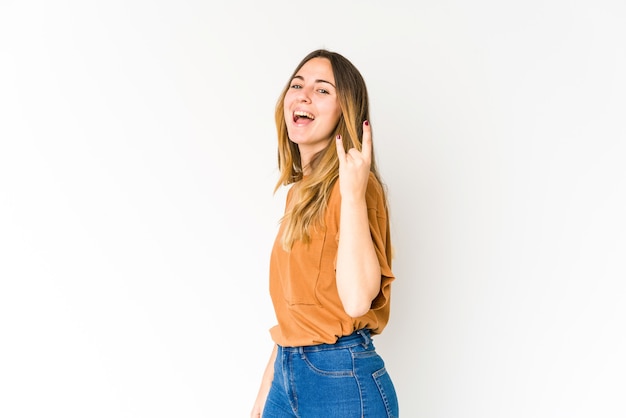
(364, 354)
(376, 375)
(358, 383)
(292, 387)
(313, 348)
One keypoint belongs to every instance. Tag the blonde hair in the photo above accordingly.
(312, 194)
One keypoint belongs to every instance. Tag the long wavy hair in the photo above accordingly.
(312, 193)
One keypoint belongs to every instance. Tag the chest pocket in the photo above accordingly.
(301, 273)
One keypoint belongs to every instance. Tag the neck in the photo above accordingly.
(305, 161)
(307, 153)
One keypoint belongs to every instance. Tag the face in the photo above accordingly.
(312, 107)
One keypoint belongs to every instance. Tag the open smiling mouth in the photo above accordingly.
(302, 117)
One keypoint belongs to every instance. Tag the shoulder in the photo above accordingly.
(374, 184)
(289, 195)
(375, 194)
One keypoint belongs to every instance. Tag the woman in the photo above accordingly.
(330, 268)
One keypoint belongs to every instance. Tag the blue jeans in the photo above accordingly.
(347, 379)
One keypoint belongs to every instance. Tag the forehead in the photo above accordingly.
(317, 68)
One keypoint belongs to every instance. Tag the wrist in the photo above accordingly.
(353, 199)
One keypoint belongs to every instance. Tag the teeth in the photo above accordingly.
(303, 114)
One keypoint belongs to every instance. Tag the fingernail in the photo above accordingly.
(367, 123)
(338, 137)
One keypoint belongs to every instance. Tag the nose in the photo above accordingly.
(304, 95)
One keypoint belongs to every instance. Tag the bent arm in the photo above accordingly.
(358, 271)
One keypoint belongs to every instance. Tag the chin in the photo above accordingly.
(297, 137)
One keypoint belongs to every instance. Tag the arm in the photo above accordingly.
(358, 272)
(266, 383)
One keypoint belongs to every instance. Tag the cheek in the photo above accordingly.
(286, 108)
(334, 110)
(288, 99)
(336, 115)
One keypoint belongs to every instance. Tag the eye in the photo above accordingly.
(296, 86)
(323, 91)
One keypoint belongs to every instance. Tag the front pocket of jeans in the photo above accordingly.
(332, 363)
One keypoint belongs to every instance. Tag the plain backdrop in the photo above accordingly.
(137, 167)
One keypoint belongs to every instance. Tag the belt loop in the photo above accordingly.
(366, 338)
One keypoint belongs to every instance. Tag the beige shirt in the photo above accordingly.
(302, 281)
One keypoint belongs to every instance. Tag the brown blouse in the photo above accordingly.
(302, 281)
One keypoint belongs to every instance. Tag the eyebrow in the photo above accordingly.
(316, 81)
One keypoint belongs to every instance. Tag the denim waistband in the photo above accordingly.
(359, 337)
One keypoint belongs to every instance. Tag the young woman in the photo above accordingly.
(330, 267)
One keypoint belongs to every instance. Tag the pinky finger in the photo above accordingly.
(341, 152)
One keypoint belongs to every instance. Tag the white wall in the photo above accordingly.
(138, 158)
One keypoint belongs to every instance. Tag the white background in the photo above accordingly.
(138, 159)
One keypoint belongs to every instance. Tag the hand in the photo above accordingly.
(266, 383)
(256, 411)
(354, 166)
(259, 403)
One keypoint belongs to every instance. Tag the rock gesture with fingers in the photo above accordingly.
(357, 269)
(354, 166)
